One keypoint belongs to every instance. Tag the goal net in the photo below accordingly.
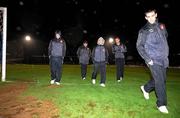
(3, 37)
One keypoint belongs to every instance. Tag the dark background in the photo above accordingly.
(85, 20)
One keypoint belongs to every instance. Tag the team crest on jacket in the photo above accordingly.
(162, 26)
(61, 41)
(151, 30)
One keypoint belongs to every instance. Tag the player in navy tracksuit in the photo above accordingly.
(100, 58)
(84, 54)
(118, 49)
(56, 52)
(153, 47)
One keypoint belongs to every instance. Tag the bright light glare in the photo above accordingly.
(111, 40)
(27, 38)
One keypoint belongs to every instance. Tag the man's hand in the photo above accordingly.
(62, 60)
(150, 63)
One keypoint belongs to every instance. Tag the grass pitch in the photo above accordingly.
(77, 98)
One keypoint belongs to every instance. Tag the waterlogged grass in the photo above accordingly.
(78, 98)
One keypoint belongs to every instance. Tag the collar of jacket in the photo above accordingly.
(149, 25)
(58, 40)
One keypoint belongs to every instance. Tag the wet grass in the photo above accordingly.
(78, 98)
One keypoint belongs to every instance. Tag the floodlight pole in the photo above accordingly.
(4, 35)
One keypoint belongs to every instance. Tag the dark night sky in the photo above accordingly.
(89, 19)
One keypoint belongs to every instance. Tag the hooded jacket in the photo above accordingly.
(83, 54)
(152, 44)
(100, 54)
(119, 50)
(57, 48)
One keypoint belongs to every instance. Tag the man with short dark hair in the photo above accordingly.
(153, 47)
(84, 54)
(118, 49)
(56, 52)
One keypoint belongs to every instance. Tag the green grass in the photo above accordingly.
(76, 98)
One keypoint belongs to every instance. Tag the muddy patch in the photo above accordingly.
(14, 106)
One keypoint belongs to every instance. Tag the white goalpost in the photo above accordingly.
(3, 31)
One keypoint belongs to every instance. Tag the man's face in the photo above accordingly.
(85, 44)
(151, 17)
(100, 41)
(117, 40)
(58, 36)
